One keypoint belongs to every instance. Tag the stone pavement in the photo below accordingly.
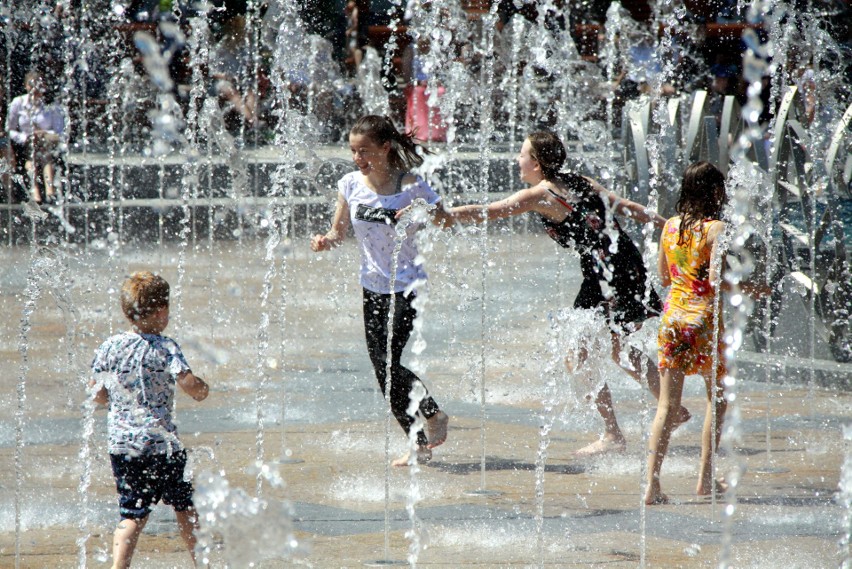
(309, 366)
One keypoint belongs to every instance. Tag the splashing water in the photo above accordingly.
(215, 168)
(251, 529)
(844, 498)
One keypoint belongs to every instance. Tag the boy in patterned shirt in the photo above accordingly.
(135, 373)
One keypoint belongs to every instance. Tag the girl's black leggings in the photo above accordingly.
(376, 309)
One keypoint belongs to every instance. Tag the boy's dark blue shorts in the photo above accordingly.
(142, 481)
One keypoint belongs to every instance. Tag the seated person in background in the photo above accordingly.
(36, 128)
(311, 74)
(231, 67)
(724, 83)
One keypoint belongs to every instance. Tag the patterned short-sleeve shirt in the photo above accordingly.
(139, 371)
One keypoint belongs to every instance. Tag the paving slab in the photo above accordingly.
(291, 380)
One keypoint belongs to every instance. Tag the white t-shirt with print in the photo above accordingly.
(371, 215)
(139, 371)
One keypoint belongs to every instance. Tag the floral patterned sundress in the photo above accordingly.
(685, 339)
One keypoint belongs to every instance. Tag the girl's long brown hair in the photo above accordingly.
(549, 152)
(702, 197)
(404, 154)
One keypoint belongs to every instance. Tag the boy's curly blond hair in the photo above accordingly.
(143, 294)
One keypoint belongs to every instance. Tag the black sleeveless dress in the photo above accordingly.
(614, 281)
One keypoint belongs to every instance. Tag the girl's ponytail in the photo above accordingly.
(405, 153)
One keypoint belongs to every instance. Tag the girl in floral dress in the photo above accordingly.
(688, 262)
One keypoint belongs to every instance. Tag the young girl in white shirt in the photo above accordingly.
(369, 200)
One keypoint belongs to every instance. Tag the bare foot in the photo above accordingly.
(656, 499)
(423, 455)
(704, 489)
(602, 446)
(436, 429)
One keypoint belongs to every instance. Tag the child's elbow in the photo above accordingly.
(194, 386)
(101, 396)
(201, 392)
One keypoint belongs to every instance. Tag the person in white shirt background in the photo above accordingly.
(36, 128)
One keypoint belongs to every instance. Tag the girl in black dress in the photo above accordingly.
(573, 209)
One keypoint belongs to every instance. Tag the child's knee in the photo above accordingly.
(667, 410)
(131, 524)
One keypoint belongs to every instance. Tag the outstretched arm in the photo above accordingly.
(626, 208)
(440, 216)
(193, 386)
(516, 204)
(339, 226)
(749, 287)
(716, 274)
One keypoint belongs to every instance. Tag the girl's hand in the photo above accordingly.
(320, 243)
(439, 216)
(402, 212)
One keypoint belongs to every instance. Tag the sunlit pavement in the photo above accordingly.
(309, 365)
